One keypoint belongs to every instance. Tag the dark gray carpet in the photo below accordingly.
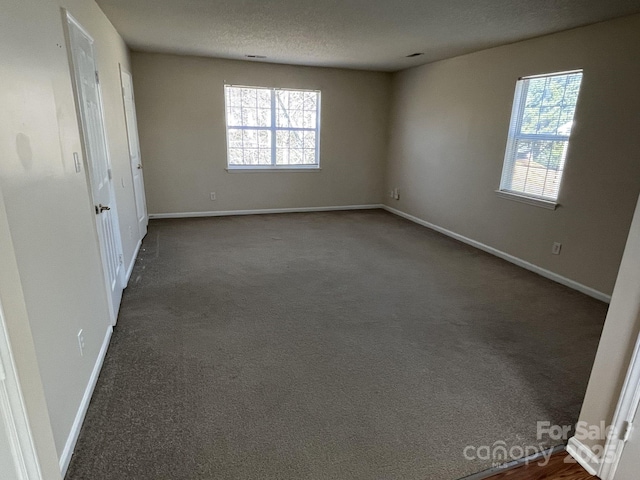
(343, 345)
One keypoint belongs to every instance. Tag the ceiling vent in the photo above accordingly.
(414, 55)
(256, 56)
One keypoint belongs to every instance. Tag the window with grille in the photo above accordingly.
(541, 122)
(272, 128)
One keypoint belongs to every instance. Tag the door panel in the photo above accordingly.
(134, 151)
(97, 158)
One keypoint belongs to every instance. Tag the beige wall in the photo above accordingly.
(13, 313)
(48, 206)
(449, 125)
(180, 107)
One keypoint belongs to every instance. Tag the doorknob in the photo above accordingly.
(139, 166)
(101, 208)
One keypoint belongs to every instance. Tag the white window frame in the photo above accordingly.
(273, 128)
(515, 125)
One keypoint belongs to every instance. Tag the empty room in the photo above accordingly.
(319, 240)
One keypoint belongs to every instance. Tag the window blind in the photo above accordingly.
(539, 132)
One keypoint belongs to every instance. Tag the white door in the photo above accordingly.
(97, 159)
(134, 151)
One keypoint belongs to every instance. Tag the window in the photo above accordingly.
(539, 131)
(271, 128)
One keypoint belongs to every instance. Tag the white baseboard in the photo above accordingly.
(505, 256)
(584, 456)
(224, 213)
(132, 263)
(65, 458)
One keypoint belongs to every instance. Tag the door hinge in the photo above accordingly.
(626, 431)
(121, 259)
(97, 77)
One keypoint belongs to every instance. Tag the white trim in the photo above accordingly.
(14, 413)
(133, 262)
(623, 416)
(583, 455)
(224, 213)
(505, 256)
(65, 457)
(538, 202)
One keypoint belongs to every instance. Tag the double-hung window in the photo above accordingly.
(272, 128)
(539, 132)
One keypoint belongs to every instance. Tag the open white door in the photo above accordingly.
(89, 105)
(134, 151)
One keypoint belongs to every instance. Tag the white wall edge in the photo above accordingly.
(505, 256)
(69, 447)
(583, 455)
(623, 417)
(224, 213)
(13, 413)
(132, 263)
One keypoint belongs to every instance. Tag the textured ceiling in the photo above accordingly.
(362, 34)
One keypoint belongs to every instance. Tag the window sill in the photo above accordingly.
(538, 202)
(272, 169)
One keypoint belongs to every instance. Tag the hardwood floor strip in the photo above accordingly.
(489, 473)
(561, 466)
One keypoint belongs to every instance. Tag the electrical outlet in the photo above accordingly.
(212, 196)
(555, 249)
(81, 342)
(396, 193)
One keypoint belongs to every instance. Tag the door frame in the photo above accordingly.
(68, 18)
(623, 418)
(14, 412)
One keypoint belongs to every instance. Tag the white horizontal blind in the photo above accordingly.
(271, 128)
(539, 131)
